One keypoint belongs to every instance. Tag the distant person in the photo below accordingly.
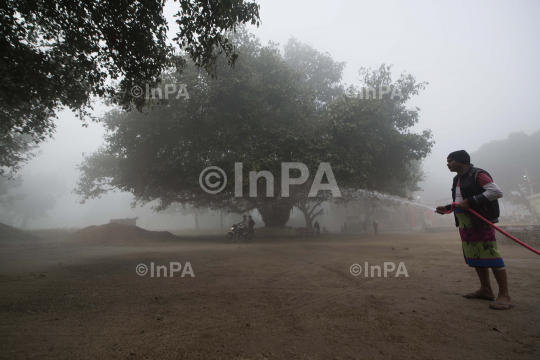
(243, 224)
(345, 228)
(375, 227)
(251, 224)
(317, 227)
(474, 188)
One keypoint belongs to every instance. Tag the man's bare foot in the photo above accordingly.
(480, 294)
(503, 302)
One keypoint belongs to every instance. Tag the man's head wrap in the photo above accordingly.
(460, 156)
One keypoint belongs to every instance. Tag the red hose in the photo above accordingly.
(496, 228)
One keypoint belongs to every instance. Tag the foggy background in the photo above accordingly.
(480, 59)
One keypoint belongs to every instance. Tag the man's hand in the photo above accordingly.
(463, 205)
(441, 210)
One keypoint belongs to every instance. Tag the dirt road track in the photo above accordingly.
(276, 299)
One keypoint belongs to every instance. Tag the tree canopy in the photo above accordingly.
(61, 54)
(373, 144)
(319, 71)
(509, 161)
(261, 113)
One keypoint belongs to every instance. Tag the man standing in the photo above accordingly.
(474, 188)
(375, 227)
(317, 227)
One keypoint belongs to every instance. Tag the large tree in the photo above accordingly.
(61, 54)
(509, 161)
(262, 113)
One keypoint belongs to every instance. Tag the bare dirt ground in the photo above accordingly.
(276, 298)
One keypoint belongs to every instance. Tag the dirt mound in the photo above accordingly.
(117, 233)
(11, 235)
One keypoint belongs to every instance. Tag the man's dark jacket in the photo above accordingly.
(471, 191)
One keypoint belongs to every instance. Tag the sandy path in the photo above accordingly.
(279, 298)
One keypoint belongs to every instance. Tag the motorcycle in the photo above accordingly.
(238, 234)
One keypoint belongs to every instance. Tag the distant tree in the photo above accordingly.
(185, 210)
(509, 161)
(7, 195)
(34, 198)
(310, 209)
(381, 195)
(60, 54)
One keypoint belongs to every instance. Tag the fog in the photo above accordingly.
(334, 232)
(480, 59)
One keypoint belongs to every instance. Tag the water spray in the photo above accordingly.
(394, 198)
(495, 227)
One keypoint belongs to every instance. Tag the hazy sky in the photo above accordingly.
(480, 59)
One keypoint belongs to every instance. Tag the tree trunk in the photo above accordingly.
(309, 219)
(309, 213)
(275, 213)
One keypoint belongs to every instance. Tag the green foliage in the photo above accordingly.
(15, 150)
(61, 54)
(203, 27)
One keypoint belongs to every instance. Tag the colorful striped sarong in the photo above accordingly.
(478, 241)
